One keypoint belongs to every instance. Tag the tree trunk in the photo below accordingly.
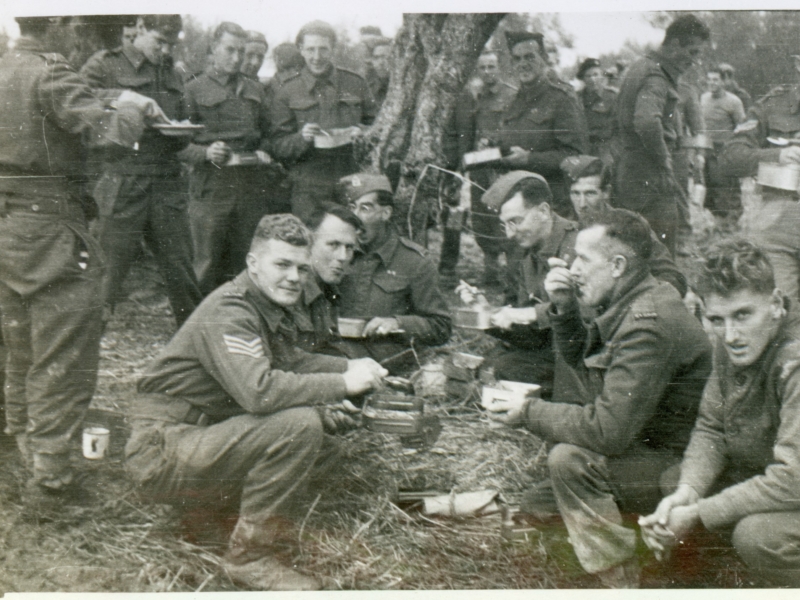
(433, 56)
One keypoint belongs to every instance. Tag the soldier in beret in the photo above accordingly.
(392, 282)
(599, 104)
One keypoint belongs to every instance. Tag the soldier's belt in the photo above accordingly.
(37, 200)
(163, 407)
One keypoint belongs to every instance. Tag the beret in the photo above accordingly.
(582, 165)
(360, 184)
(497, 194)
(517, 37)
(589, 63)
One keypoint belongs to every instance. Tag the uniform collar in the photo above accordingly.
(560, 228)
(315, 287)
(386, 251)
(310, 80)
(608, 322)
(273, 314)
(668, 66)
(135, 57)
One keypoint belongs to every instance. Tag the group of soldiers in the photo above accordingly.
(643, 411)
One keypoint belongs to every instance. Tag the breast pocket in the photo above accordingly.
(597, 366)
(390, 295)
(209, 108)
(783, 125)
(538, 125)
(671, 106)
(350, 110)
(306, 110)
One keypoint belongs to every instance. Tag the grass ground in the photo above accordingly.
(353, 533)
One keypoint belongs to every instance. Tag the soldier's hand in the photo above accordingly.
(363, 375)
(559, 284)
(218, 153)
(356, 132)
(511, 412)
(790, 155)
(470, 295)
(381, 326)
(310, 130)
(263, 157)
(339, 418)
(148, 107)
(518, 158)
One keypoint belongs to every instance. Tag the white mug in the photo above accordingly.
(95, 442)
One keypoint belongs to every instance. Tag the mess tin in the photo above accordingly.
(333, 138)
(473, 317)
(482, 157)
(782, 177)
(178, 129)
(393, 411)
(351, 328)
(505, 391)
(243, 159)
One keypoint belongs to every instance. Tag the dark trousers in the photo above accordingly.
(133, 207)
(50, 272)
(225, 207)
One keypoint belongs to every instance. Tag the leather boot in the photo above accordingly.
(622, 576)
(251, 557)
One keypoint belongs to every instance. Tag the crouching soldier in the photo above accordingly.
(232, 410)
(740, 474)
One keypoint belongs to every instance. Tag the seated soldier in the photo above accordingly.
(392, 283)
(523, 199)
(626, 400)
(231, 411)
(740, 474)
(335, 230)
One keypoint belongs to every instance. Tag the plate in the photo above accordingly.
(178, 129)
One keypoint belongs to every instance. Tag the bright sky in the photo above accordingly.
(604, 29)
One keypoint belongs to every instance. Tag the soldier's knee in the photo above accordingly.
(567, 461)
(304, 426)
(757, 541)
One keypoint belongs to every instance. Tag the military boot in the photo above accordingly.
(251, 560)
(622, 576)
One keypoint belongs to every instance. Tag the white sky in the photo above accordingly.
(603, 30)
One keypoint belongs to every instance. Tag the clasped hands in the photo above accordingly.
(675, 516)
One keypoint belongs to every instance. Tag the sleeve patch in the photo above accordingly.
(746, 126)
(236, 345)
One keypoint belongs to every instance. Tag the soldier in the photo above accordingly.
(475, 125)
(392, 283)
(335, 230)
(649, 128)
(740, 474)
(544, 123)
(323, 106)
(230, 179)
(141, 191)
(288, 64)
(767, 136)
(230, 412)
(379, 69)
(255, 49)
(731, 85)
(50, 267)
(598, 102)
(624, 406)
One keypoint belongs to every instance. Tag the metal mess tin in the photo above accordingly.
(473, 318)
(393, 411)
(351, 328)
(481, 157)
(782, 177)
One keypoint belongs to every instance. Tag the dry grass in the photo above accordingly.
(353, 534)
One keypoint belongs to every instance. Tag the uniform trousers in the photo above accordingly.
(154, 207)
(256, 461)
(50, 271)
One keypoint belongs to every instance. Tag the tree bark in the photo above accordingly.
(433, 56)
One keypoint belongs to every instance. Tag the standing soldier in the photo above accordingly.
(544, 123)
(141, 190)
(317, 116)
(229, 182)
(255, 49)
(649, 127)
(769, 135)
(288, 64)
(475, 125)
(731, 85)
(50, 267)
(379, 69)
(598, 102)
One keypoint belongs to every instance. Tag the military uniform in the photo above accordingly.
(395, 280)
(141, 190)
(336, 99)
(545, 118)
(475, 123)
(50, 267)
(600, 121)
(378, 86)
(227, 202)
(776, 218)
(322, 303)
(649, 129)
(226, 413)
(621, 414)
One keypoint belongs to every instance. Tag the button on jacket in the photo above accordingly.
(636, 377)
(397, 280)
(238, 353)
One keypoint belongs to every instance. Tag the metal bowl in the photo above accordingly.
(351, 328)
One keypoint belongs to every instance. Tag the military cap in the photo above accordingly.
(316, 28)
(498, 193)
(517, 37)
(726, 68)
(589, 63)
(256, 37)
(370, 30)
(352, 187)
(583, 165)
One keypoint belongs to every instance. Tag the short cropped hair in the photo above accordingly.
(168, 25)
(256, 37)
(287, 56)
(227, 27)
(316, 28)
(534, 192)
(315, 219)
(714, 69)
(629, 229)
(732, 265)
(686, 29)
(285, 228)
(596, 168)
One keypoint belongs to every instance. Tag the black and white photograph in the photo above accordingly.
(368, 297)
